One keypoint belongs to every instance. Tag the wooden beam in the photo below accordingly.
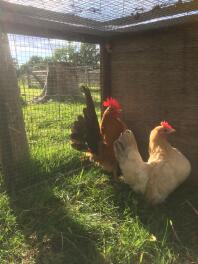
(179, 22)
(155, 13)
(13, 141)
(41, 31)
(6, 155)
(105, 71)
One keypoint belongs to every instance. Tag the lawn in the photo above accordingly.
(67, 211)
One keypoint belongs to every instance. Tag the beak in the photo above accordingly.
(172, 130)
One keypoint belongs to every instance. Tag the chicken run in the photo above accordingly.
(98, 130)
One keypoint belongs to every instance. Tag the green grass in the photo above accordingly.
(29, 94)
(66, 211)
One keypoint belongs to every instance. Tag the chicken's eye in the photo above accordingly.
(165, 130)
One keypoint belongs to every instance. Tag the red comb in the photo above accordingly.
(166, 125)
(112, 102)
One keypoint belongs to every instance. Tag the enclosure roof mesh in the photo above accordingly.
(98, 10)
(102, 17)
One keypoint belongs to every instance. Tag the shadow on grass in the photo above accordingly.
(52, 233)
(35, 172)
(175, 221)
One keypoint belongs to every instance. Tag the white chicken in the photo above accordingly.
(164, 171)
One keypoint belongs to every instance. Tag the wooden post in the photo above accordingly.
(105, 71)
(13, 141)
(6, 155)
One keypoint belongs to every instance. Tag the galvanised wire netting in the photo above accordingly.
(99, 10)
(50, 73)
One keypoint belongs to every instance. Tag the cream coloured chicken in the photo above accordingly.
(164, 171)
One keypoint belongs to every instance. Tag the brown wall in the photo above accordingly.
(155, 77)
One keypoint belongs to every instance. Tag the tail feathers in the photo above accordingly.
(85, 134)
(78, 133)
(79, 126)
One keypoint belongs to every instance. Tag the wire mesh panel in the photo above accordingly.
(50, 73)
(99, 10)
(100, 17)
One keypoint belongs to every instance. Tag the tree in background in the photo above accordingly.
(68, 54)
(89, 55)
(34, 61)
(85, 54)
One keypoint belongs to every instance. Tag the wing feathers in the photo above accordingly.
(85, 134)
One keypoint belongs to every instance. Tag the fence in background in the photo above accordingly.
(84, 74)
